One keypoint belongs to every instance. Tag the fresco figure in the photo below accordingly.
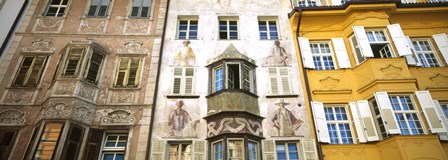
(180, 123)
(278, 55)
(284, 120)
(185, 55)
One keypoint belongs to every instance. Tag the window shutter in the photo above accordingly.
(309, 148)
(23, 71)
(177, 80)
(336, 2)
(320, 122)
(387, 112)
(268, 149)
(399, 39)
(158, 147)
(412, 59)
(121, 71)
(189, 75)
(442, 43)
(285, 80)
(36, 71)
(442, 136)
(73, 61)
(341, 53)
(367, 120)
(430, 112)
(273, 79)
(363, 41)
(358, 123)
(199, 150)
(134, 71)
(93, 144)
(305, 50)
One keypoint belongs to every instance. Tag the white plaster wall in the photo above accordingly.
(8, 14)
(209, 46)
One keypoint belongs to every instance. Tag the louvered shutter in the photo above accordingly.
(189, 77)
(121, 71)
(442, 43)
(93, 144)
(23, 71)
(412, 59)
(320, 122)
(442, 136)
(305, 51)
(134, 72)
(309, 148)
(367, 119)
(268, 149)
(36, 71)
(387, 113)
(158, 148)
(177, 80)
(358, 122)
(336, 2)
(399, 40)
(73, 61)
(273, 80)
(341, 53)
(363, 41)
(284, 77)
(199, 150)
(430, 112)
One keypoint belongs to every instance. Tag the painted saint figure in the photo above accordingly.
(179, 118)
(278, 56)
(184, 55)
(284, 120)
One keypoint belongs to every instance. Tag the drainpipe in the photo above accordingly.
(307, 85)
(154, 101)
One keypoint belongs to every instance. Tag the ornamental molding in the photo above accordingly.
(39, 45)
(118, 117)
(83, 114)
(12, 117)
(133, 47)
(234, 125)
(56, 111)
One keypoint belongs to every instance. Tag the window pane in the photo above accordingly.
(281, 151)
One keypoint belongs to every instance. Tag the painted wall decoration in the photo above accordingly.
(277, 56)
(185, 55)
(179, 122)
(284, 120)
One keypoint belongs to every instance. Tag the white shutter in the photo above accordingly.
(442, 43)
(442, 136)
(363, 41)
(429, 110)
(189, 77)
(341, 53)
(305, 50)
(158, 148)
(309, 149)
(177, 81)
(268, 148)
(412, 59)
(399, 40)
(320, 122)
(336, 2)
(387, 113)
(284, 76)
(199, 150)
(357, 120)
(367, 120)
(273, 80)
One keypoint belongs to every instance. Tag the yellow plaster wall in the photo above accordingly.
(350, 152)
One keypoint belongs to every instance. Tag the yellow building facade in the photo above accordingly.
(376, 76)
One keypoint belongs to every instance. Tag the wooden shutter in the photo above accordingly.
(442, 43)
(73, 143)
(94, 67)
(199, 150)
(24, 69)
(399, 40)
(358, 122)
(367, 119)
(309, 149)
(320, 122)
(73, 61)
(305, 51)
(268, 149)
(336, 2)
(189, 77)
(430, 112)
(121, 71)
(412, 59)
(363, 41)
(93, 144)
(442, 136)
(273, 80)
(36, 71)
(341, 53)
(158, 148)
(134, 72)
(7, 140)
(177, 80)
(387, 113)
(284, 78)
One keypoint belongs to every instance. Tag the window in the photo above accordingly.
(73, 143)
(267, 28)
(425, 52)
(98, 8)
(219, 77)
(128, 72)
(308, 3)
(56, 8)
(444, 107)
(218, 151)
(252, 150)
(183, 81)
(370, 43)
(287, 150)
(232, 79)
(47, 142)
(406, 115)
(228, 29)
(380, 125)
(140, 8)
(322, 55)
(279, 78)
(7, 139)
(114, 146)
(187, 29)
(30, 71)
(93, 68)
(180, 151)
(236, 149)
(338, 124)
(75, 56)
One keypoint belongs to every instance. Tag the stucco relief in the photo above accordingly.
(438, 80)
(92, 26)
(123, 97)
(64, 88)
(329, 83)
(103, 94)
(345, 151)
(19, 96)
(391, 71)
(234, 125)
(180, 120)
(284, 120)
(136, 27)
(48, 25)
(277, 56)
(184, 55)
(39, 45)
(132, 47)
(117, 117)
(83, 114)
(56, 110)
(87, 92)
(12, 117)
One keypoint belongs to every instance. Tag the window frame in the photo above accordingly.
(89, 65)
(404, 112)
(58, 6)
(140, 6)
(337, 122)
(27, 75)
(180, 152)
(287, 152)
(127, 72)
(431, 52)
(114, 150)
(242, 146)
(97, 10)
(189, 25)
(359, 57)
(266, 21)
(79, 64)
(227, 20)
(213, 151)
(183, 81)
(321, 55)
(279, 81)
(257, 149)
(41, 136)
(215, 87)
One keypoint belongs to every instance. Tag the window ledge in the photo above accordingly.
(282, 95)
(125, 88)
(174, 96)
